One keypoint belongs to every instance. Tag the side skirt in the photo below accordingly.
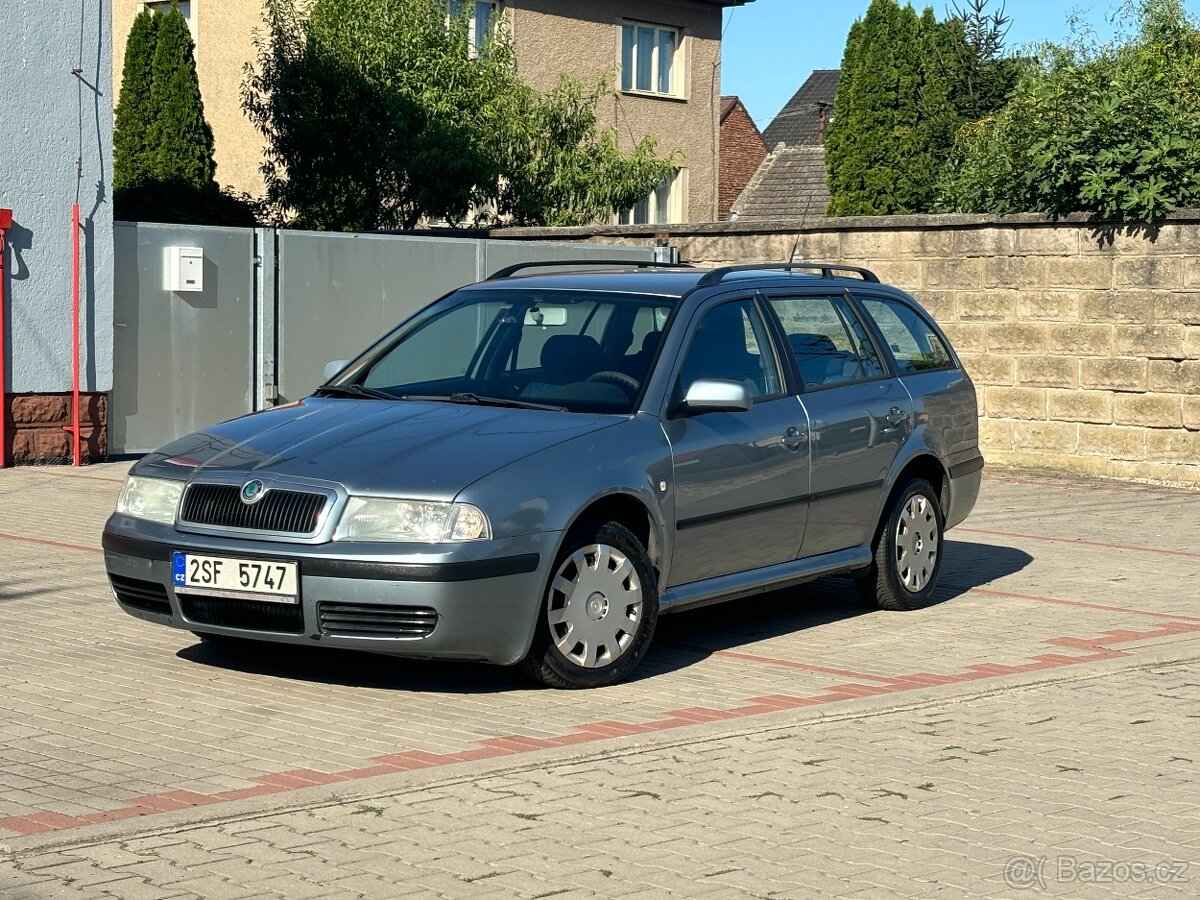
(760, 581)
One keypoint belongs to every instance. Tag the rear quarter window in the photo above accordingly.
(910, 336)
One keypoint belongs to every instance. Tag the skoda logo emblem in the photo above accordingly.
(252, 491)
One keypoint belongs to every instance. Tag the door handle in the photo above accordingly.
(794, 438)
(895, 416)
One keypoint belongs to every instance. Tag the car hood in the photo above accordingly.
(417, 449)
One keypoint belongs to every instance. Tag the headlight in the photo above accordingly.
(152, 499)
(371, 519)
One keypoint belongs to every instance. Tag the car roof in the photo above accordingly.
(667, 282)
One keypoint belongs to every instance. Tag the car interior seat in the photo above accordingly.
(718, 350)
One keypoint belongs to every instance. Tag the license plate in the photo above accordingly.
(246, 579)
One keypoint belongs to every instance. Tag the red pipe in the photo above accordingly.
(73, 428)
(5, 224)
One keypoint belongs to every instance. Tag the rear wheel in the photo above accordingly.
(908, 550)
(598, 613)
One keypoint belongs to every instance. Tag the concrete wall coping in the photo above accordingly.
(851, 223)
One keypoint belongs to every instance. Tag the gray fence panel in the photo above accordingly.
(506, 253)
(339, 292)
(181, 360)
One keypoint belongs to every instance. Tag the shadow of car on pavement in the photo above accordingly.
(681, 640)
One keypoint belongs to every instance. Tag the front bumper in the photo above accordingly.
(482, 599)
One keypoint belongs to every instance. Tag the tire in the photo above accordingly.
(597, 616)
(907, 550)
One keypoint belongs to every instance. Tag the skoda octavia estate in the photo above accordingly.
(534, 468)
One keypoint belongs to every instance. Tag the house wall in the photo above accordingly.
(742, 152)
(224, 34)
(42, 137)
(1085, 351)
(583, 37)
(550, 37)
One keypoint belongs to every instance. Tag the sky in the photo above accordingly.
(771, 46)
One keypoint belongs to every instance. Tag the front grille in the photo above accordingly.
(254, 615)
(376, 620)
(287, 512)
(149, 596)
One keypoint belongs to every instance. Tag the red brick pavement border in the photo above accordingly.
(1095, 649)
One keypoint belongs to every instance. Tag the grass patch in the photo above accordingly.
(476, 878)
(363, 809)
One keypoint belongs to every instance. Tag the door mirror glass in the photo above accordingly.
(712, 394)
(333, 369)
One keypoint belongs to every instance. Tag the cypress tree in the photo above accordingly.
(938, 118)
(181, 143)
(873, 124)
(134, 112)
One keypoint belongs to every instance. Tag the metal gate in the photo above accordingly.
(275, 307)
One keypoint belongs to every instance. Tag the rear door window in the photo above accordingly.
(910, 336)
(827, 340)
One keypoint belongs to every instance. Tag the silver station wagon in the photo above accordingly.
(534, 468)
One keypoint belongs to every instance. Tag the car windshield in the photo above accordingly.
(578, 351)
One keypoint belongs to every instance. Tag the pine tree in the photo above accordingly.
(938, 119)
(133, 117)
(875, 116)
(181, 143)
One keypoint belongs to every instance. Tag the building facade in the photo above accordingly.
(56, 151)
(663, 54)
(742, 152)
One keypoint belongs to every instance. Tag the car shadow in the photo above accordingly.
(681, 640)
(687, 638)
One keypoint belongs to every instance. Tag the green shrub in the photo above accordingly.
(131, 127)
(1114, 130)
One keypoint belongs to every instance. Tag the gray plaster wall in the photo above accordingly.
(42, 127)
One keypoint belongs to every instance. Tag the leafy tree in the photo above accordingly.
(874, 115)
(179, 139)
(377, 115)
(1114, 130)
(134, 111)
(562, 170)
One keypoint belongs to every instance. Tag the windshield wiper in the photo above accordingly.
(477, 400)
(354, 390)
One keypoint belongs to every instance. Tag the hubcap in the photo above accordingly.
(916, 543)
(595, 606)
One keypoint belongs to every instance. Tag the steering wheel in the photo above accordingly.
(619, 379)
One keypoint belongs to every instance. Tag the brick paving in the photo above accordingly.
(787, 746)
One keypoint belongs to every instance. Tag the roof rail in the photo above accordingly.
(827, 270)
(509, 271)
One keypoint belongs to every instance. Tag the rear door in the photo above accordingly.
(741, 478)
(859, 415)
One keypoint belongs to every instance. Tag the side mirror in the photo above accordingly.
(333, 368)
(713, 394)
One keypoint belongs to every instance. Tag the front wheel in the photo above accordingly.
(599, 611)
(908, 550)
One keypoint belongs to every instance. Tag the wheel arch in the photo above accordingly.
(920, 465)
(628, 510)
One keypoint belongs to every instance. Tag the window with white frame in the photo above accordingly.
(185, 8)
(651, 61)
(483, 19)
(662, 206)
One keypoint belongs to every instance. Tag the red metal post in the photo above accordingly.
(5, 224)
(73, 428)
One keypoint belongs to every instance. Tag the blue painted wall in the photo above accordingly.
(42, 127)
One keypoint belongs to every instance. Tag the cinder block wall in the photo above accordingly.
(1084, 344)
